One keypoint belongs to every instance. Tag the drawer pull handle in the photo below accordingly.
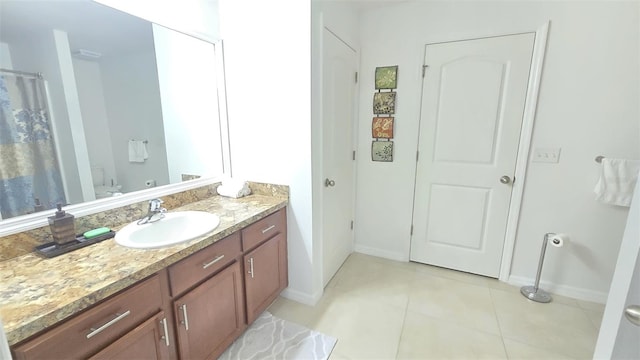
(96, 331)
(206, 265)
(251, 267)
(185, 322)
(165, 337)
(268, 229)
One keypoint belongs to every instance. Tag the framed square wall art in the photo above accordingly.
(382, 151)
(382, 127)
(384, 103)
(386, 77)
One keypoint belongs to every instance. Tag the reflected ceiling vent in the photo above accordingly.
(86, 54)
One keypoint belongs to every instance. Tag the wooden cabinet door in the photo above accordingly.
(265, 275)
(211, 316)
(150, 340)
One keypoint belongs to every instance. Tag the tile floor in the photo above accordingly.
(382, 309)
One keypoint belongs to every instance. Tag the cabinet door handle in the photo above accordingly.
(185, 322)
(251, 267)
(268, 229)
(99, 329)
(165, 337)
(218, 258)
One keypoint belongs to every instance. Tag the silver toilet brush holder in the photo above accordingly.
(534, 292)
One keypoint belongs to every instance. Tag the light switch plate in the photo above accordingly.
(546, 155)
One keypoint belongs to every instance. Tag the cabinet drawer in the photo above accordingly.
(197, 267)
(264, 229)
(87, 332)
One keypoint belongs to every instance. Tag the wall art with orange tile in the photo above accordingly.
(382, 127)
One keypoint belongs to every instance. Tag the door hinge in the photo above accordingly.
(356, 77)
(411, 232)
(424, 69)
(354, 155)
(417, 155)
(351, 224)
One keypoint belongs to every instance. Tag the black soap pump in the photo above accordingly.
(62, 226)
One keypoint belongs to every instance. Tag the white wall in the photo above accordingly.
(588, 106)
(342, 18)
(94, 117)
(63, 52)
(132, 98)
(5, 56)
(267, 63)
(185, 62)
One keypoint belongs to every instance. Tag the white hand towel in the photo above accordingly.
(137, 151)
(233, 188)
(617, 181)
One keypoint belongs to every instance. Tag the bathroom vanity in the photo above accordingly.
(186, 301)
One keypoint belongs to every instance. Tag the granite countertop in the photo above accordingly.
(38, 292)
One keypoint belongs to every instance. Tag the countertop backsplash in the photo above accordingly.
(23, 243)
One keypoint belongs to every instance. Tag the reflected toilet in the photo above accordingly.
(101, 190)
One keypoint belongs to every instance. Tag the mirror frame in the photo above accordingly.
(33, 221)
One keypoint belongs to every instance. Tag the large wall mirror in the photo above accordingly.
(99, 106)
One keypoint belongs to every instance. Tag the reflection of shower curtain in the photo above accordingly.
(29, 171)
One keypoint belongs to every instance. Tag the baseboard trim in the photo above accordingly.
(301, 297)
(563, 290)
(380, 253)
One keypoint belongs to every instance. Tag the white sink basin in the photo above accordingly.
(174, 228)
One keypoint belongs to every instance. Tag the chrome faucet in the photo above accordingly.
(155, 212)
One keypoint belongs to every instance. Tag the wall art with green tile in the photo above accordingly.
(382, 151)
(386, 77)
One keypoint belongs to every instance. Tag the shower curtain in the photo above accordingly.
(30, 177)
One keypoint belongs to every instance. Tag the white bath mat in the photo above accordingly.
(272, 338)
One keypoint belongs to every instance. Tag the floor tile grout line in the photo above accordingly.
(586, 313)
(495, 311)
(404, 321)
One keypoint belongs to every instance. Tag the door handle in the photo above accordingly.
(505, 179)
(328, 182)
(250, 267)
(184, 322)
(218, 258)
(632, 313)
(164, 337)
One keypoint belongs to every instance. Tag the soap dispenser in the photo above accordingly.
(38, 206)
(62, 226)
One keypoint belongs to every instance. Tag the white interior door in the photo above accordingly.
(472, 109)
(339, 90)
(619, 338)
